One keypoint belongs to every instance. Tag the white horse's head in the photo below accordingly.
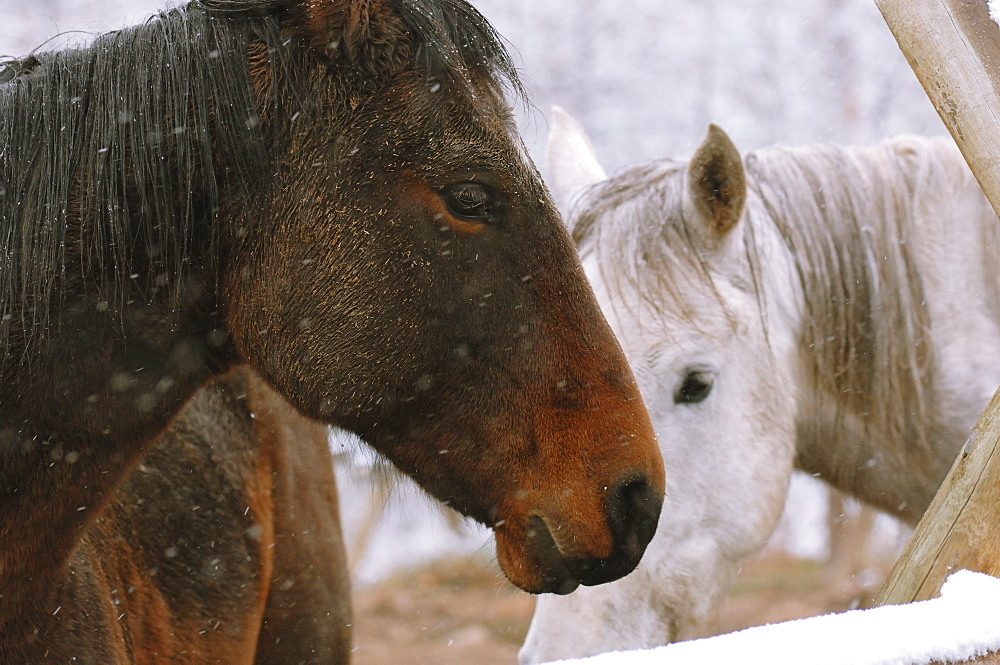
(711, 343)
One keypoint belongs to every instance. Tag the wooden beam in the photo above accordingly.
(961, 528)
(954, 49)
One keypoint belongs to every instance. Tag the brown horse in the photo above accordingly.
(224, 541)
(332, 193)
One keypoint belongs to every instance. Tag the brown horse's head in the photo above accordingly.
(404, 274)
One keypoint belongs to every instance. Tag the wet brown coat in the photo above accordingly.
(222, 546)
(332, 193)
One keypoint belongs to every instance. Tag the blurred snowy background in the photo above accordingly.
(645, 78)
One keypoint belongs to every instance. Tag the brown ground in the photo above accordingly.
(462, 612)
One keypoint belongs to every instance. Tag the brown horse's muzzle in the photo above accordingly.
(556, 550)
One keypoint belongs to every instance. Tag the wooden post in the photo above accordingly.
(954, 49)
(961, 528)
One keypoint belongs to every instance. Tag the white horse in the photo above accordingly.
(836, 309)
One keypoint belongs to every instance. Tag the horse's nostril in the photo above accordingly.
(633, 508)
(631, 512)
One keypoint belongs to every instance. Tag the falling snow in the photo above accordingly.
(645, 82)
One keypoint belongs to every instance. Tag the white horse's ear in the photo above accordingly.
(716, 184)
(571, 162)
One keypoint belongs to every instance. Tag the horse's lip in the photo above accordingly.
(567, 572)
(556, 575)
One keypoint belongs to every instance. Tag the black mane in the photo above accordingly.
(114, 146)
(128, 143)
(452, 38)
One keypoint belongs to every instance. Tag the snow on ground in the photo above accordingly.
(804, 532)
(959, 625)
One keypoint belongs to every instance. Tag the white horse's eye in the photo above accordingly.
(695, 387)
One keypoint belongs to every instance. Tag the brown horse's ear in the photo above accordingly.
(716, 183)
(368, 35)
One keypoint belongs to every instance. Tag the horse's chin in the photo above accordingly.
(531, 560)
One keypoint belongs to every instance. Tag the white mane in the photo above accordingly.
(833, 308)
(847, 216)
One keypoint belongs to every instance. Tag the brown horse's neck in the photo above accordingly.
(78, 412)
(114, 335)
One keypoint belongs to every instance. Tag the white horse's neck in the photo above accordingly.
(873, 346)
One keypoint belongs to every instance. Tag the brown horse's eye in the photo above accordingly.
(469, 201)
(695, 388)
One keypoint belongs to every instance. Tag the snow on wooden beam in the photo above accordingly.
(961, 528)
(958, 626)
